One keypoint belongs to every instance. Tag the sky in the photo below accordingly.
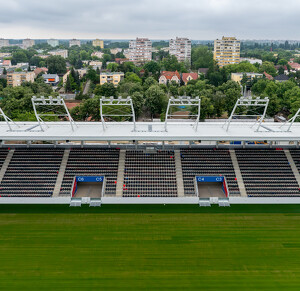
(155, 19)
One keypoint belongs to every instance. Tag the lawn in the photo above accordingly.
(150, 247)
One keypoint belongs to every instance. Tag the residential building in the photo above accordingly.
(252, 61)
(167, 76)
(17, 78)
(268, 76)
(140, 50)
(53, 42)
(120, 61)
(6, 63)
(281, 78)
(181, 48)
(51, 79)
(227, 51)
(43, 56)
(112, 78)
(98, 42)
(295, 66)
(238, 77)
(114, 51)
(73, 42)
(82, 72)
(5, 55)
(27, 43)
(186, 77)
(4, 42)
(37, 71)
(126, 53)
(96, 65)
(62, 53)
(97, 54)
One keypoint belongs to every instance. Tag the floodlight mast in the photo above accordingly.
(120, 101)
(249, 102)
(291, 121)
(50, 101)
(183, 101)
(7, 120)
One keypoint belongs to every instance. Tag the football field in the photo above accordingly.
(150, 247)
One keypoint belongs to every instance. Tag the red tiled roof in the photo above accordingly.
(6, 63)
(193, 76)
(169, 75)
(294, 65)
(268, 76)
(40, 70)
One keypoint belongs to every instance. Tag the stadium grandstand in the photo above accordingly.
(244, 159)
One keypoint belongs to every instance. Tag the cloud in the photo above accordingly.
(197, 19)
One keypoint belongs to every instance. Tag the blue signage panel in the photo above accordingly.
(210, 178)
(89, 178)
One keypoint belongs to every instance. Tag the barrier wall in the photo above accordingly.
(143, 200)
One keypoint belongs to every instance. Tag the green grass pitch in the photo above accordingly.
(150, 248)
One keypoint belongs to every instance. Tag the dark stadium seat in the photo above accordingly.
(31, 173)
(150, 174)
(267, 173)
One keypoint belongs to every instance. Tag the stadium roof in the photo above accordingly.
(148, 131)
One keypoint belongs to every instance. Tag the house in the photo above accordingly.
(281, 78)
(168, 76)
(96, 65)
(113, 78)
(114, 51)
(120, 61)
(6, 63)
(43, 70)
(295, 66)
(186, 77)
(238, 77)
(97, 54)
(62, 53)
(285, 69)
(51, 79)
(268, 76)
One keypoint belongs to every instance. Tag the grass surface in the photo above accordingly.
(150, 247)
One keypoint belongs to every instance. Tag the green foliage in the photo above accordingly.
(202, 57)
(56, 65)
(132, 77)
(156, 99)
(107, 90)
(170, 63)
(112, 67)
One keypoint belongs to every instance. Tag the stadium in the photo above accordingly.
(175, 204)
(244, 159)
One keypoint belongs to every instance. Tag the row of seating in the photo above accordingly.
(267, 173)
(149, 174)
(31, 173)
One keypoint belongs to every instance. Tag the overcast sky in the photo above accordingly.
(156, 19)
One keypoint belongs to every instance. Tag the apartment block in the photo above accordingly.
(112, 78)
(27, 43)
(17, 78)
(227, 51)
(74, 41)
(62, 53)
(4, 42)
(98, 42)
(181, 48)
(140, 50)
(53, 42)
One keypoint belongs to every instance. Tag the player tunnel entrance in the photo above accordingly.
(88, 186)
(211, 186)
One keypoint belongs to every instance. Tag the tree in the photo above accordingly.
(138, 103)
(56, 65)
(113, 67)
(152, 67)
(132, 77)
(269, 68)
(107, 90)
(92, 75)
(202, 57)
(156, 99)
(19, 56)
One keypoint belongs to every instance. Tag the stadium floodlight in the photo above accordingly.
(8, 121)
(249, 102)
(55, 108)
(184, 102)
(117, 109)
(290, 122)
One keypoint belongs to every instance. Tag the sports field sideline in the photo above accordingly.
(244, 247)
